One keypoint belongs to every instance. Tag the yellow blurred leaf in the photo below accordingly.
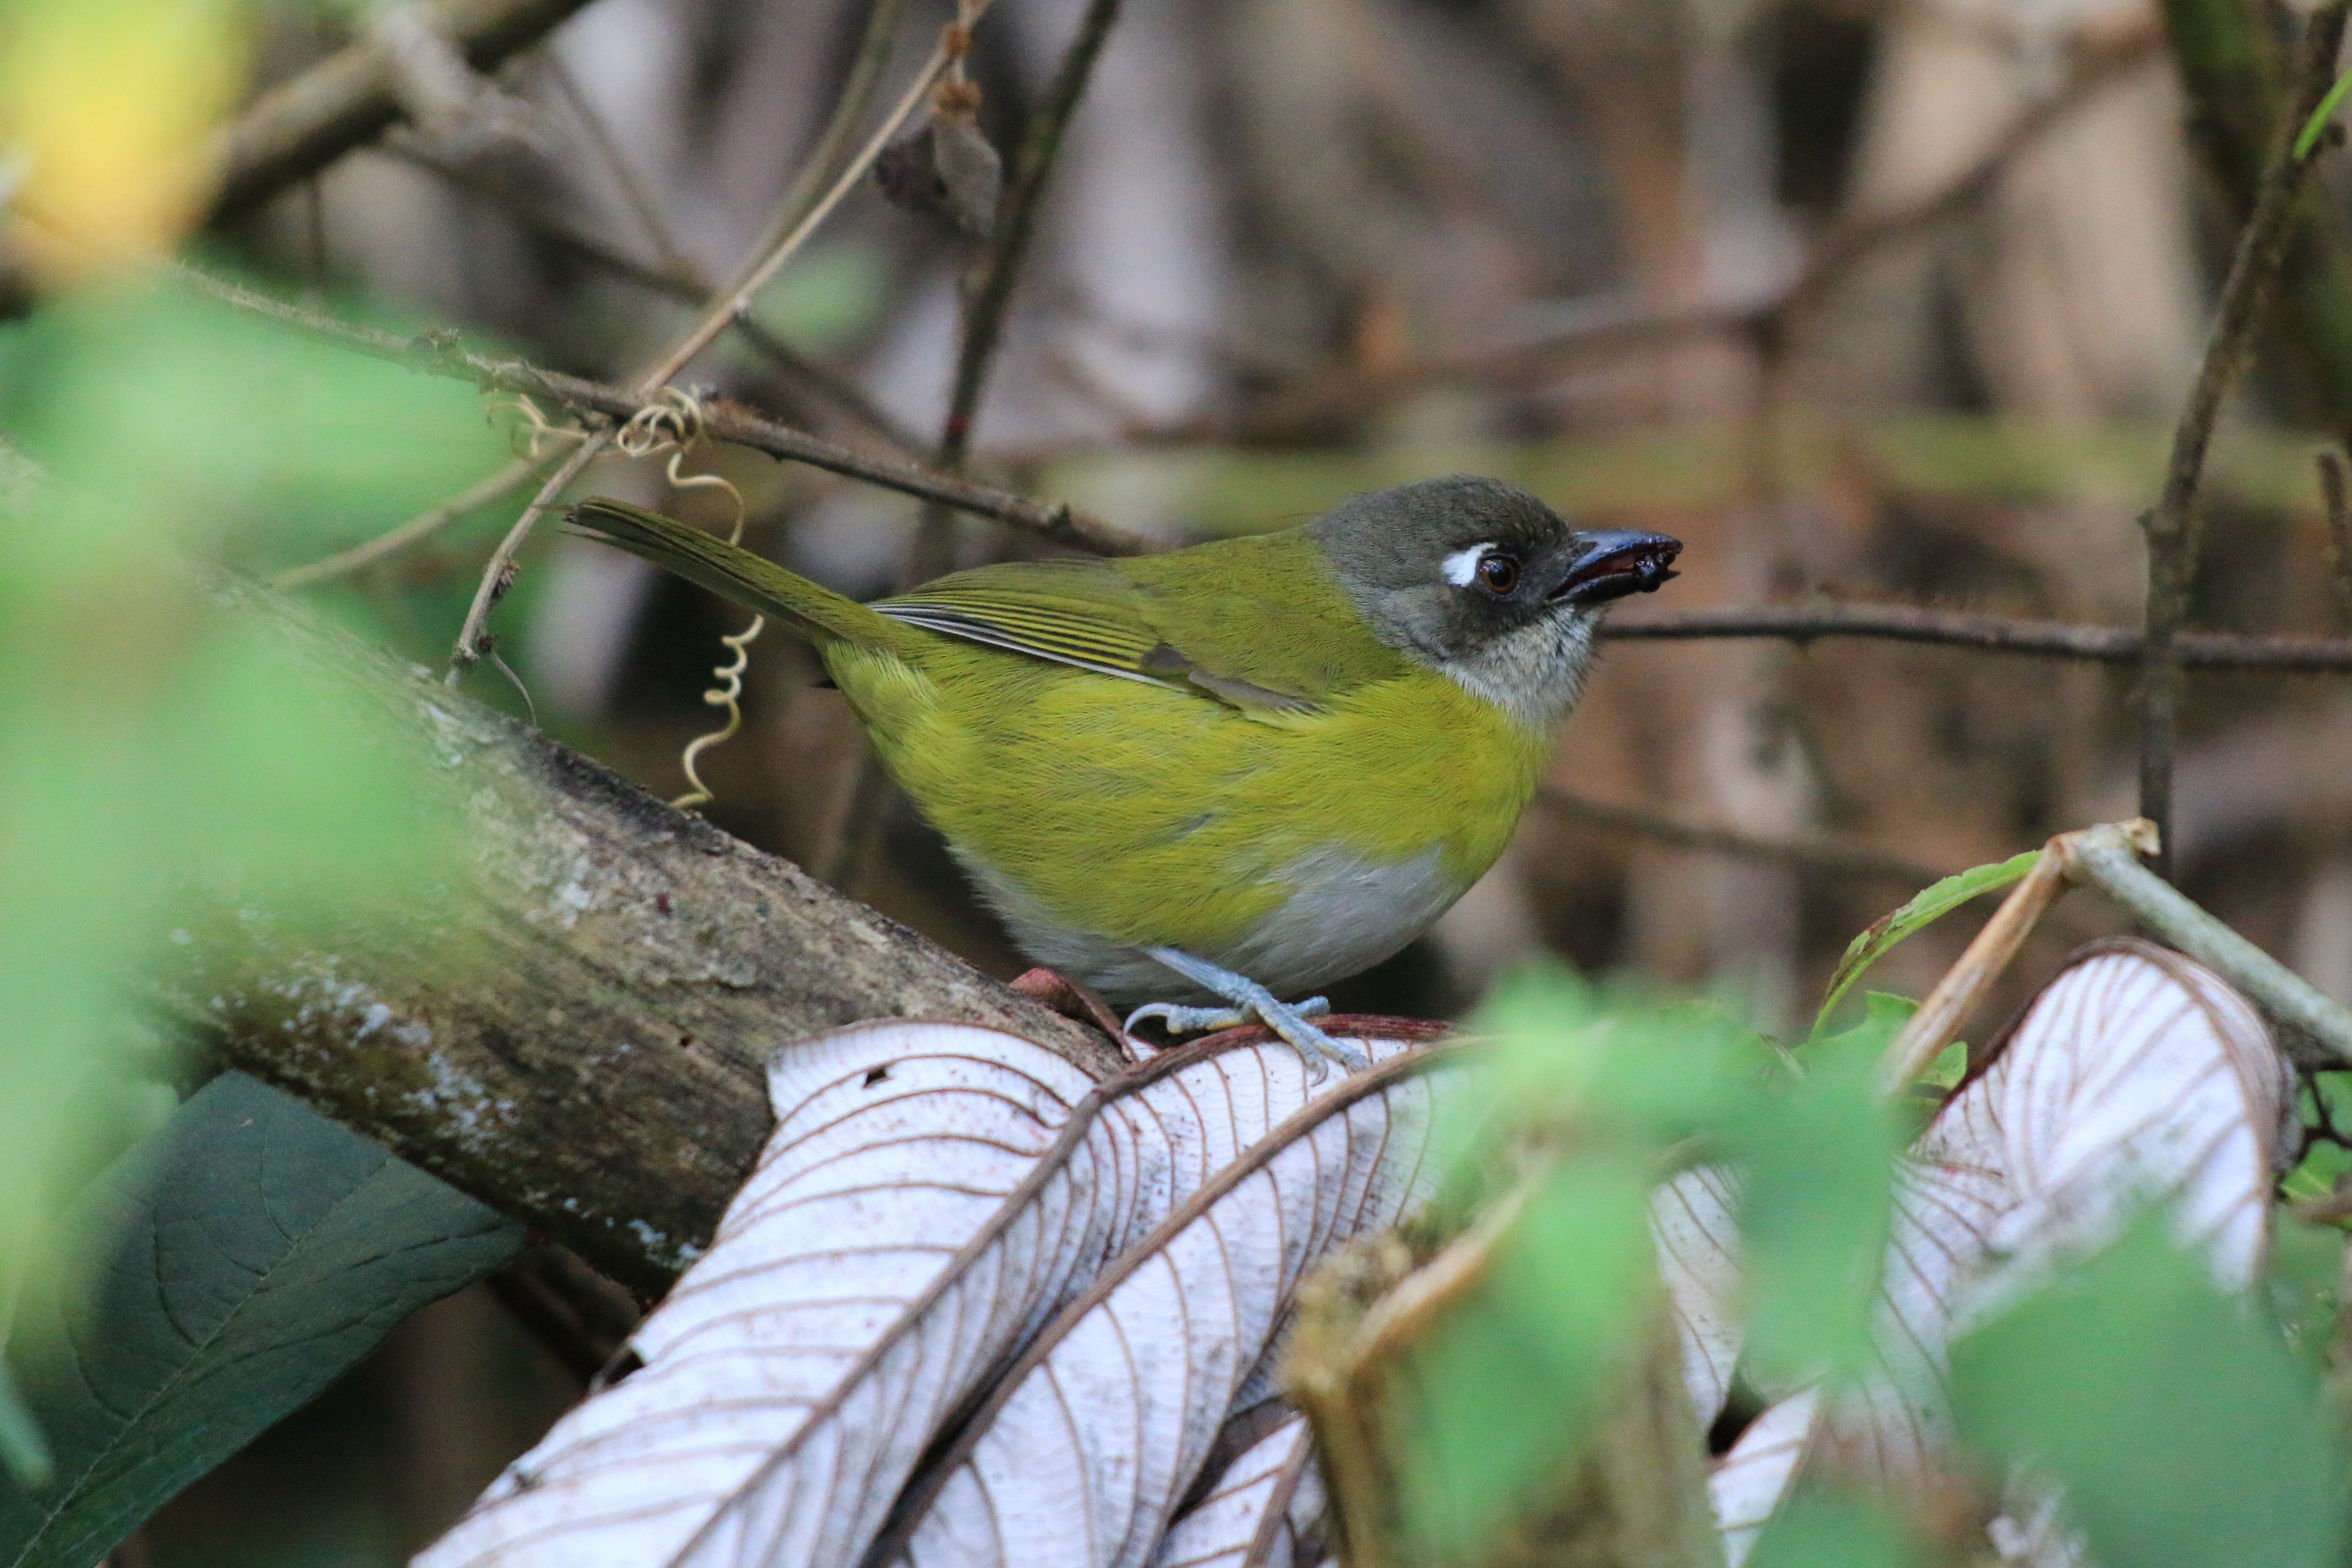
(110, 105)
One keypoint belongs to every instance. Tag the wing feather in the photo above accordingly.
(1247, 623)
(1073, 614)
(1057, 640)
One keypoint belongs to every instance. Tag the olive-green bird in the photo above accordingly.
(1227, 774)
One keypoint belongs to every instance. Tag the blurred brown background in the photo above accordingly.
(1295, 248)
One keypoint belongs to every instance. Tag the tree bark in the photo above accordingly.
(574, 1030)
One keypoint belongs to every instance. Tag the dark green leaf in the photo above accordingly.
(2182, 1430)
(252, 1252)
(2325, 1162)
(24, 1450)
(1925, 908)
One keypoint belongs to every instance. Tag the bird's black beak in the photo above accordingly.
(1614, 562)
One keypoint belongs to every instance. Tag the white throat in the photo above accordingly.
(1533, 674)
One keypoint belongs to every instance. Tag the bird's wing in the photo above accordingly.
(1152, 621)
(1068, 613)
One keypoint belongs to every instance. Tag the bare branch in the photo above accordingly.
(1814, 854)
(1017, 221)
(805, 205)
(438, 354)
(2175, 528)
(2337, 542)
(765, 264)
(2103, 856)
(474, 639)
(1990, 634)
(618, 165)
(683, 281)
(416, 531)
(346, 100)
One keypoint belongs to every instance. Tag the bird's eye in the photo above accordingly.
(1498, 573)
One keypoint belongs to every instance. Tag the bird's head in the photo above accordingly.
(1480, 580)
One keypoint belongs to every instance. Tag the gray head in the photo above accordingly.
(1482, 581)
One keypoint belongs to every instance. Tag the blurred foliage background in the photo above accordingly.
(1291, 249)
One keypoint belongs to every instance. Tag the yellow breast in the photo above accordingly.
(1114, 816)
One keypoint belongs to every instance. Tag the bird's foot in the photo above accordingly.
(1179, 1019)
(1251, 1002)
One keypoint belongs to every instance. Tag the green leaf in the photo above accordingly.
(1815, 1208)
(2315, 126)
(252, 1252)
(1563, 1313)
(2303, 1285)
(1950, 1065)
(1883, 1014)
(2324, 1161)
(2184, 1433)
(1925, 908)
(1817, 1530)
(170, 769)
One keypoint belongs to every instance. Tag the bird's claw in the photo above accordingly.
(1313, 1046)
(1259, 1005)
(1179, 1019)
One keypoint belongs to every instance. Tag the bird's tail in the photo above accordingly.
(814, 612)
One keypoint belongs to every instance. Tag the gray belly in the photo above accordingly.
(1343, 915)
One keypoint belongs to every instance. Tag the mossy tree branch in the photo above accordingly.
(573, 1029)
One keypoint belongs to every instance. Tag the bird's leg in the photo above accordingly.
(1251, 1002)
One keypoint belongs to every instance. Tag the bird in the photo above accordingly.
(1202, 781)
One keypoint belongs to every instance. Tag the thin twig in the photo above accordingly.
(2107, 857)
(820, 166)
(424, 525)
(1016, 223)
(2103, 857)
(2175, 527)
(798, 216)
(685, 282)
(1817, 854)
(2337, 542)
(1992, 634)
(831, 386)
(738, 301)
(633, 194)
(297, 129)
(474, 636)
(437, 353)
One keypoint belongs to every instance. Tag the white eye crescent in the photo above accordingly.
(1461, 568)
